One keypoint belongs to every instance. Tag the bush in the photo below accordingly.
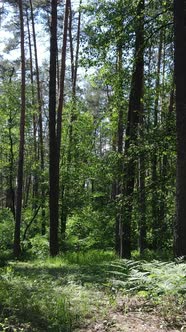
(39, 246)
(6, 229)
(89, 229)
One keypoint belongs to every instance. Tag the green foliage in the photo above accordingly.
(154, 279)
(6, 229)
(90, 257)
(89, 229)
(48, 295)
(33, 305)
(39, 246)
(60, 294)
(90, 165)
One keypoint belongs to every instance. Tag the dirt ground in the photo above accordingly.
(134, 322)
(137, 317)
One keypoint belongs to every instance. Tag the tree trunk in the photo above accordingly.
(53, 160)
(41, 145)
(35, 175)
(59, 117)
(62, 80)
(165, 170)
(155, 207)
(55, 128)
(118, 186)
(17, 246)
(180, 81)
(10, 194)
(135, 109)
(142, 193)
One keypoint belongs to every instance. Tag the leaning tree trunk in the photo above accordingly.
(17, 246)
(180, 81)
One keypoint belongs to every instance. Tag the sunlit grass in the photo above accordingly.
(61, 293)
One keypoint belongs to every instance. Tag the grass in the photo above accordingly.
(63, 293)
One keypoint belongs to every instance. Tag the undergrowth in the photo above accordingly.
(60, 294)
(161, 284)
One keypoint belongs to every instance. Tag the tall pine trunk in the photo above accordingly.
(59, 116)
(142, 189)
(17, 245)
(135, 109)
(35, 175)
(41, 144)
(180, 81)
(118, 185)
(53, 160)
(155, 187)
(55, 126)
(74, 67)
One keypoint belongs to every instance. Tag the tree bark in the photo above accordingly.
(60, 111)
(41, 145)
(135, 109)
(155, 207)
(10, 194)
(53, 160)
(118, 186)
(62, 80)
(65, 186)
(142, 189)
(35, 175)
(17, 245)
(180, 82)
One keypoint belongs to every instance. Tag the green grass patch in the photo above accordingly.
(60, 294)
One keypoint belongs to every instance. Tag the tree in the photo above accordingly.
(53, 175)
(134, 113)
(41, 144)
(55, 126)
(17, 246)
(74, 67)
(111, 137)
(180, 82)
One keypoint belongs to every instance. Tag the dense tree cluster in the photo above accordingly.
(88, 137)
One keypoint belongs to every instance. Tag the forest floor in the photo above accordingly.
(92, 292)
(137, 319)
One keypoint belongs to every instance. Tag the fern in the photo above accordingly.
(156, 277)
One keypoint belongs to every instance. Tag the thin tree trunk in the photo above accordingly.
(17, 245)
(35, 177)
(77, 52)
(71, 44)
(155, 207)
(118, 186)
(41, 145)
(59, 117)
(10, 194)
(62, 80)
(53, 160)
(142, 193)
(165, 170)
(74, 67)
